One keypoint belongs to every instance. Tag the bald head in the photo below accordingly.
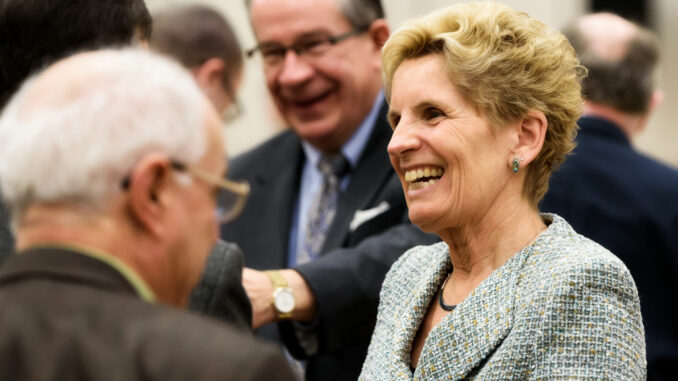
(622, 59)
(607, 34)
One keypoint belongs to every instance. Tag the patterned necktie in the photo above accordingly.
(324, 206)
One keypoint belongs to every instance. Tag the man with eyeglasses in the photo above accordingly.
(112, 163)
(204, 42)
(326, 217)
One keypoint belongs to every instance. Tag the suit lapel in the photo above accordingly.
(466, 337)
(372, 172)
(274, 190)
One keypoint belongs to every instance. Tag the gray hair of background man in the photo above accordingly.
(195, 33)
(76, 143)
(625, 84)
(359, 13)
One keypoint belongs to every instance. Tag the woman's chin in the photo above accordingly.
(427, 222)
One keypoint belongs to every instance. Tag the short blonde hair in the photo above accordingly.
(504, 64)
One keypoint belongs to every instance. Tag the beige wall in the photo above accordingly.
(260, 121)
(660, 140)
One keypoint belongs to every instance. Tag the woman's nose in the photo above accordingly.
(404, 139)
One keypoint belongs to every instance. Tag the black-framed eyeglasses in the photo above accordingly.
(231, 195)
(313, 45)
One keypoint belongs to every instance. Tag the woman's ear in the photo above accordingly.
(147, 185)
(531, 135)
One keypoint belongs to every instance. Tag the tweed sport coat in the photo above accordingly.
(562, 307)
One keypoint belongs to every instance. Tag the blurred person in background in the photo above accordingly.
(202, 41)
(613, 194)
(35, 33)
(112, 164)
(483, 103)
(326, 217)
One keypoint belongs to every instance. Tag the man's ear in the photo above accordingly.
(209, 73)
(148, 182)
(656, 99)
(530, 137)
(379, 33)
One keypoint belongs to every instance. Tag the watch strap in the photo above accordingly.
(276, 278)
(279, 282)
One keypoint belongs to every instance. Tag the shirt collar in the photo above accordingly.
(353, 148)
(142, 289)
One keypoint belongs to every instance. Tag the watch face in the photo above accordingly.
(284, 300)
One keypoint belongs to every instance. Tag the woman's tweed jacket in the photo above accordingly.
(561, 308)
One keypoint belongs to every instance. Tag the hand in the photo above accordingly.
(260, 291)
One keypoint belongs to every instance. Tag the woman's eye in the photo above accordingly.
(394, 122)
(433, 113)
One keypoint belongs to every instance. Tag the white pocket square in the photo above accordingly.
(361, 216)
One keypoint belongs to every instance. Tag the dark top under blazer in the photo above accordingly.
(628, 203)
(67, 316)
(346, 282)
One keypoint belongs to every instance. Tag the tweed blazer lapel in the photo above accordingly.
(468, 335)
(409, 316)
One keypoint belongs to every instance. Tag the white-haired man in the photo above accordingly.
(111, 163)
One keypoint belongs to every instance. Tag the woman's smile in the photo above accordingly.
(423, 177)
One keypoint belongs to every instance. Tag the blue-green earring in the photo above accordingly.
(516, 165)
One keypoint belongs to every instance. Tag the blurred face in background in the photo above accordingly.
(325, 91)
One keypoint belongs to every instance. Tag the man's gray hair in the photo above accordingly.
(75, 136)
(625, 84)
(360, 13)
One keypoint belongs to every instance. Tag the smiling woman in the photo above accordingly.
(483, 105)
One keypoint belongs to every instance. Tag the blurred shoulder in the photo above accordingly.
(192, 340)
(275, 148)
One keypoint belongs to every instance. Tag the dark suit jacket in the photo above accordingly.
(346, 282)
(6, 238)
(629, 204)
(67, 316)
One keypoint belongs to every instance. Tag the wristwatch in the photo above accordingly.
(283, 296)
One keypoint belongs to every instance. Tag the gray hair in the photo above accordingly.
(359, 13)
(195, 33)
(625, 84)
(73, 138)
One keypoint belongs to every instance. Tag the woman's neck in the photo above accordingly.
(479, 247)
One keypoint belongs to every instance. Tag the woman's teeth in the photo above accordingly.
(423, 177)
